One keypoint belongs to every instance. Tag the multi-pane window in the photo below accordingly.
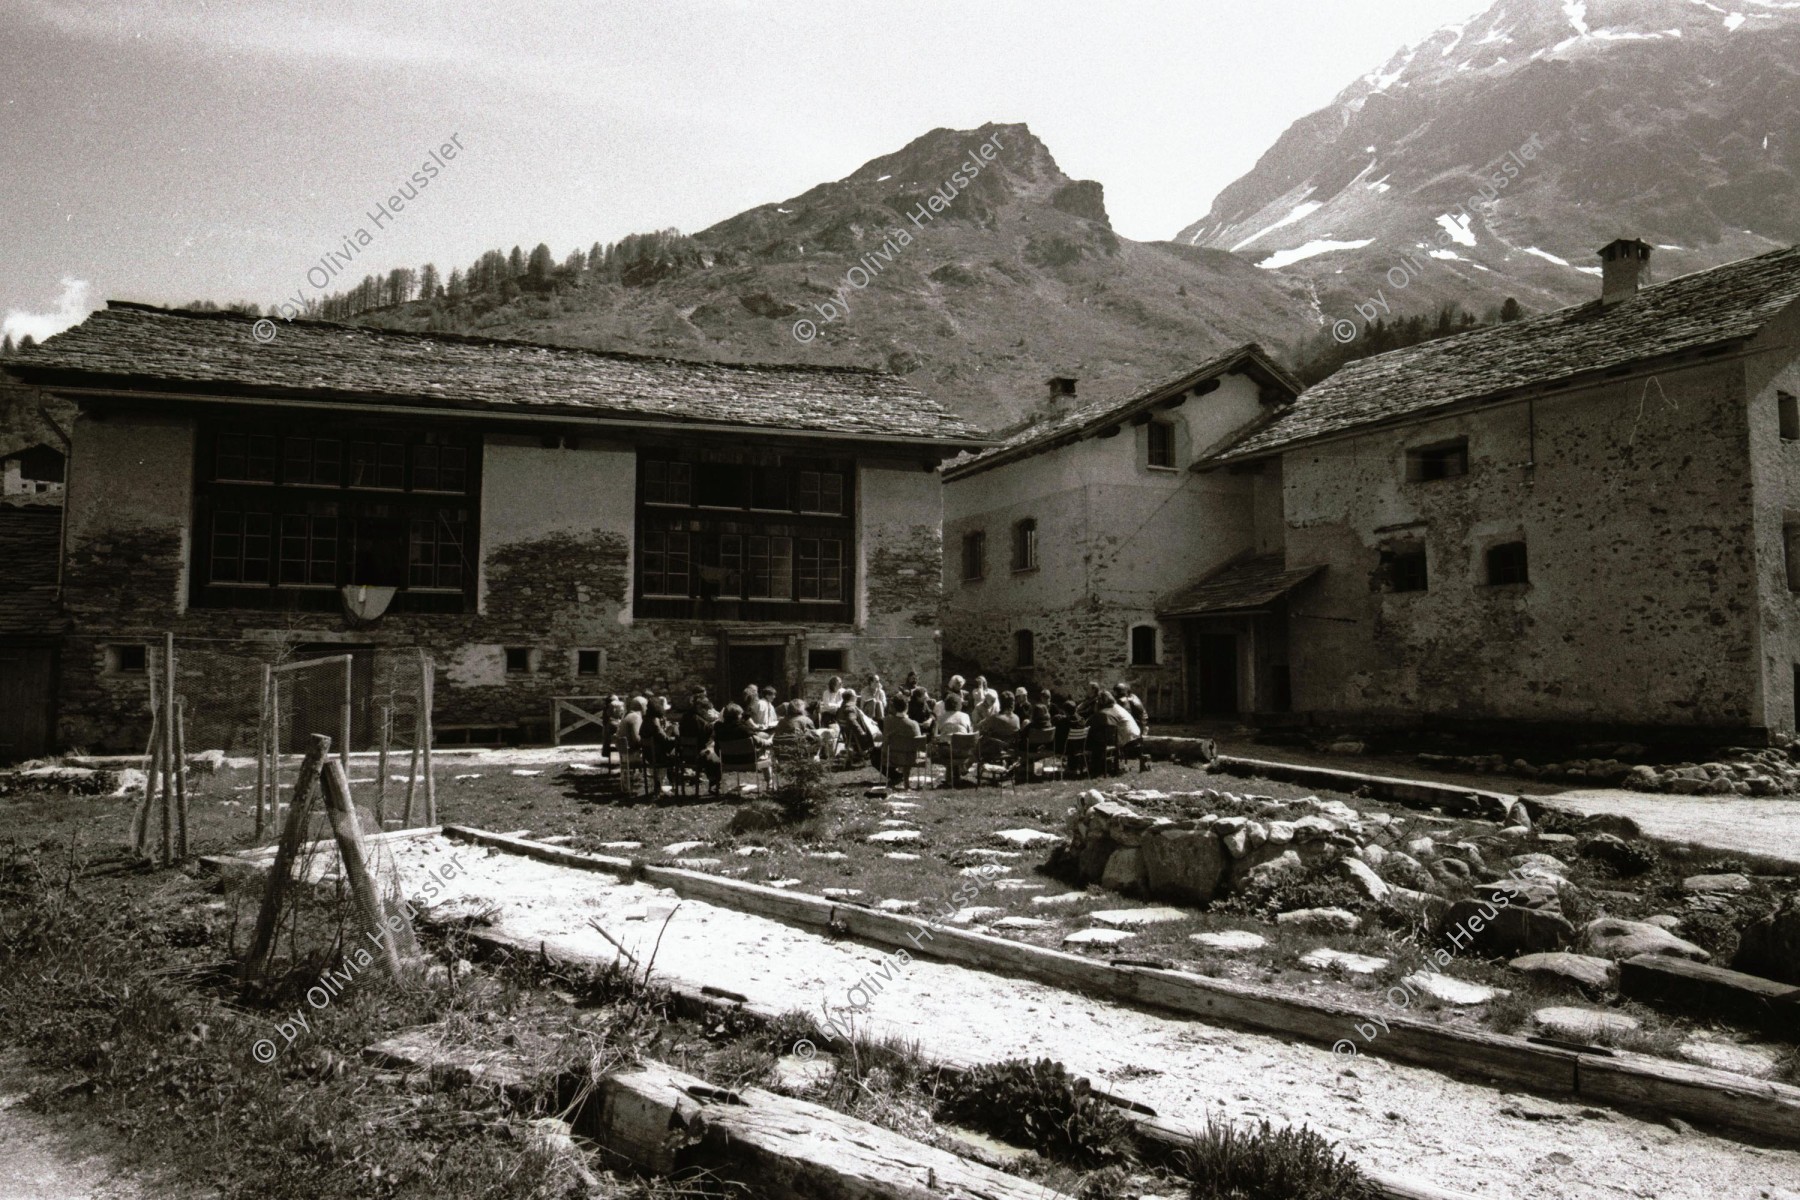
(821, 492)
(821, 569)
(244, 458)
(436, 552)
(974, 555)
(241, 542)
(294, 509)
(665, 563)
(1024, 648)
(1025, 548)
(668, 482)
(1160, 443)
(736, 533)
(308, 552)
(771, 568)
(1787, 407)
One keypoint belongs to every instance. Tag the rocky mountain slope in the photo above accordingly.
(1672, 120)
(1019, 278)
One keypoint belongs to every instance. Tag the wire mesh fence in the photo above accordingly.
(230, 725)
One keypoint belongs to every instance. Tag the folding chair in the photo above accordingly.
(1040, 744)
(686, 765)
(741, 756)
(1104, 748)
(632, 763)
(906, 754)
(1075, 751)
(960, 753)
(997, 755)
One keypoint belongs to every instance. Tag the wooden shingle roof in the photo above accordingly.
(141, 347)
(1247, 583)
(1708, 308)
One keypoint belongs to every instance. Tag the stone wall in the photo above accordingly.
(1632, 498)
(554, 576)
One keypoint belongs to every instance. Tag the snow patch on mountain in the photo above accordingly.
(1458, 228)
(1313, 248)
(1301, 211)
(1546, 255)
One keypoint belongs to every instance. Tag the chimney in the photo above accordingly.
(1624, 264)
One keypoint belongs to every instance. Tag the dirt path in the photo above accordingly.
(1397, 1118)
(37, 1163)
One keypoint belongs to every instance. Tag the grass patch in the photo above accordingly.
(1039, 1104)
(1227, 1162)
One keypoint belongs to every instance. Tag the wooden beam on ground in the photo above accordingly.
(1731, 1103)
(1414, 793)
(1699, 989)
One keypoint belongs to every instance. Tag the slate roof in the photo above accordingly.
(134, 345)
(29, 540)
(1721, 305)
(1090, 419)
(1246, 583)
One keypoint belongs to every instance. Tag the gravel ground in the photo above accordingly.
(1397, 1118)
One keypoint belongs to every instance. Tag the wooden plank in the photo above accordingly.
(789, 1149)
(1719, 1099)
(371, 913)
(453, 1063)
(281, 873)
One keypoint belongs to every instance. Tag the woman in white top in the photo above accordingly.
(834, 698)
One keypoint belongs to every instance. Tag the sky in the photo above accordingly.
(176, 150)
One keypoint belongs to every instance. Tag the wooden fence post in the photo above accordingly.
(181, 804)
(167, 849)
(428, 671)
(349, 703)
(385, 718)
(140, 821)
(262, 752)
(369, 909)
(281, 872)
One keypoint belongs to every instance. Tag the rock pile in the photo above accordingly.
(1772, 771)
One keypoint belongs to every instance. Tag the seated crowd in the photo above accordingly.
(888, 731)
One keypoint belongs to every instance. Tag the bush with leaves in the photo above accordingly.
(805, 787)
(1039, 1104)
(1229, 1163)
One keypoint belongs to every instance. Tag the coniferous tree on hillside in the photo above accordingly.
(539, 268)
(6, 344)
(515, 263)
(429, 287)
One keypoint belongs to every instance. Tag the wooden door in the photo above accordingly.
(26, 675)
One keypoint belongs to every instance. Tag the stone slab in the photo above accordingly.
(1325, 959)
(1132, 918)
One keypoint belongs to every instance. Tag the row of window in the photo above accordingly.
(738, 486)
(331, 545)
(1403, 569)
(306, 460)
(708, 566)
(1024, 550)
(1143, 639)
(528, 660)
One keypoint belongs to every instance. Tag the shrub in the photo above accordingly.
(1625, 858)
(805, 789)
(1039, 1104)
(1227, 1163)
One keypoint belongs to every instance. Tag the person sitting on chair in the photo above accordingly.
(918, 707)
(761, 712)
(878, 699)
(1113, 727)
(857, 731)
(983, 702)
(833, 698)
(1003, 723)
(899, 728)
(954, 720)
(697, 723)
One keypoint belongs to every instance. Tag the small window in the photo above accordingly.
(127, 660)
(587, 662)
(1403, 569)
(1790, 543)
(974, 562)
(1025, 550)
(824, 660)
(1506, 564)
(1789, 406)
(1160, 443)
(1143, 646)
(1444, 460)
(518, 660)
(1024, 649)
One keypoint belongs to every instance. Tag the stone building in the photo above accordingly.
(543, 521)
(1583, 521)
(1070, 547)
